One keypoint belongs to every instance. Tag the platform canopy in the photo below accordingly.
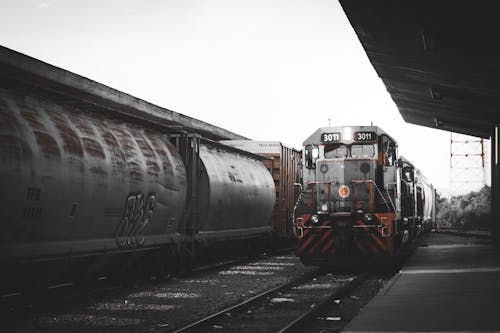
(439, 60)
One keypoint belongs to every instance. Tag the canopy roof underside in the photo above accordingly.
(439, 60)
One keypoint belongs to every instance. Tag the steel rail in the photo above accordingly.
(340, 292)
(198, 325)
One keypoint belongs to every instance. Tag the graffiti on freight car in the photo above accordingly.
(136, 216)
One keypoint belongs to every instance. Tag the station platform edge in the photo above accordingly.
(449, 284)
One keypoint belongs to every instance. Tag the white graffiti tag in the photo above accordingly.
(136, 217)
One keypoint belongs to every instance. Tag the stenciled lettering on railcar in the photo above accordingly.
(136, 216)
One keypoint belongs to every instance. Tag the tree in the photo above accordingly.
(468, 211)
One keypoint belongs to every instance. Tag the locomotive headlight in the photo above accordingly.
(314, 219)
(344, 191)
(347, 134)
(324, 207)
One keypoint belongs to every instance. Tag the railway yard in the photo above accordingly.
(272, 293)
(119, 215)
(276, 289)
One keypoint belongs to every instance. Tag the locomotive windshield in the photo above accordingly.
(336, 151)
(362, 151)
(354, 151)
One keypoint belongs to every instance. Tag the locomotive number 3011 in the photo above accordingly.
(358, 136)
(330, 137)
(365, 136)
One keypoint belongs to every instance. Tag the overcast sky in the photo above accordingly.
(265, 69)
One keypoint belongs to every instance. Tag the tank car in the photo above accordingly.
(357, 203)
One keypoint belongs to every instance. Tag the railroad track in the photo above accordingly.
(284, 308)
(29, 301)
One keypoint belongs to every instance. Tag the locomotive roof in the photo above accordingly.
(405, 160)
(315, 138)
(420, 177)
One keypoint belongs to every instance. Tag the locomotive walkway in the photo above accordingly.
(450, 284)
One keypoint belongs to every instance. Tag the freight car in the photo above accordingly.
(284, 164)
(230, 199)
(426, 202)
(359, 198)
(96, 182)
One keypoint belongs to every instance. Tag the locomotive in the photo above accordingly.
(96, 182)
(360, 201)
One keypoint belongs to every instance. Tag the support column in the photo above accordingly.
(495, 198)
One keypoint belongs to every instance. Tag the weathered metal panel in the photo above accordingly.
(236, 192)
(75, 181)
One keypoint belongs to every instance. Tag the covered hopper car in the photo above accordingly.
(95, 182)
(285, 165)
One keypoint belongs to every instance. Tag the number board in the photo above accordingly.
(330, 137)
(365, 136)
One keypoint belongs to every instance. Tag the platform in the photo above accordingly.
(450, 284)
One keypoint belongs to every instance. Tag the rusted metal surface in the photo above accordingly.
(75, 182)
(236, 192)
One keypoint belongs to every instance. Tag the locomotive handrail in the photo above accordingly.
(390, 200)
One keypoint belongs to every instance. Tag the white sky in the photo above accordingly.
(265, 69)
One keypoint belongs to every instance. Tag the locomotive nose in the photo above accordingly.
(344, 185)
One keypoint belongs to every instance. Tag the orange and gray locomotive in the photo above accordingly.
(359, 198)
